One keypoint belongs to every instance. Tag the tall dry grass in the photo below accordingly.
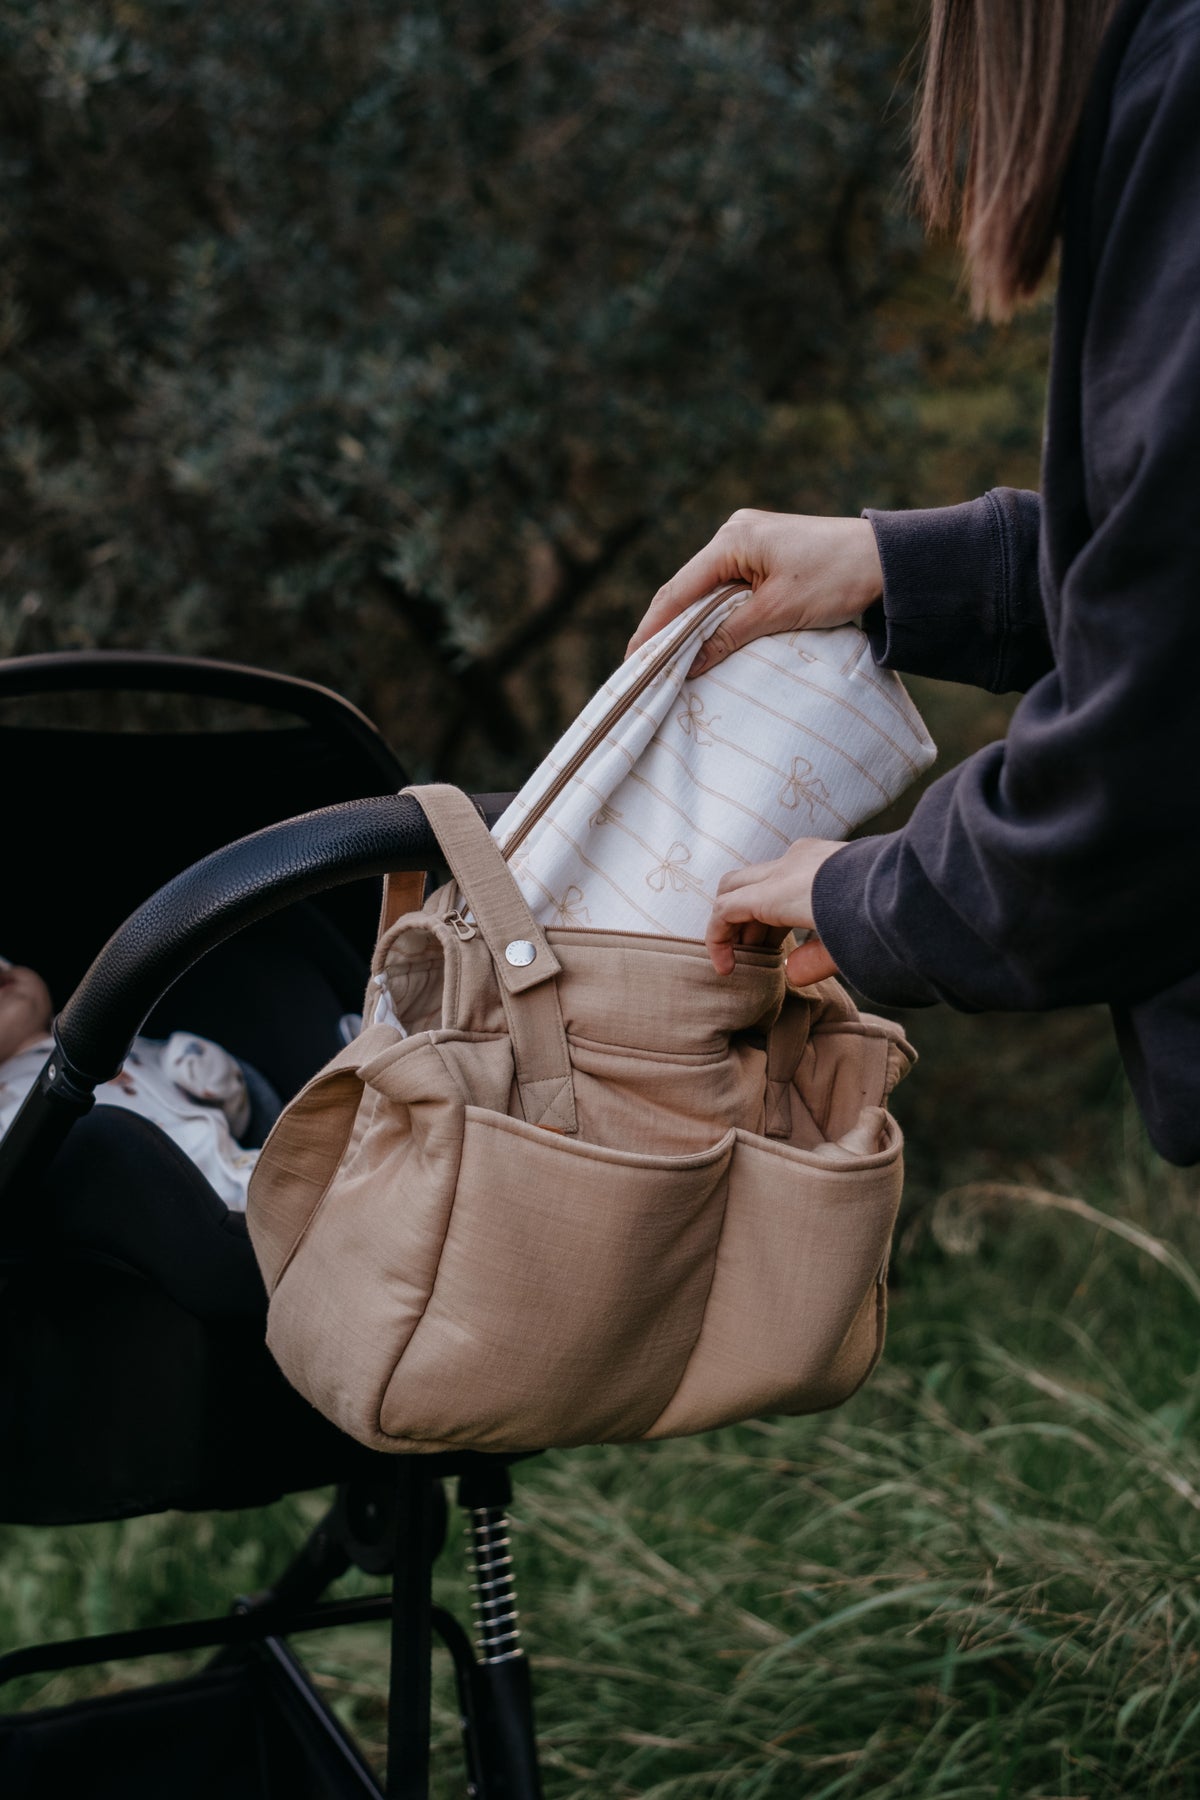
(978, 1580)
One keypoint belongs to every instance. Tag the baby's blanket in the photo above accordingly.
(191, 1088)
(793, 736)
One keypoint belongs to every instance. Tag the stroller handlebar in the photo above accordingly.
(193, 913)
(217, 897)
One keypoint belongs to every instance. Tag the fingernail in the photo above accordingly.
(699, 665)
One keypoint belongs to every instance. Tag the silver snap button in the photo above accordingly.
(520, 953)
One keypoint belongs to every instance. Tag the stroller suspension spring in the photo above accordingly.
(495, 1602)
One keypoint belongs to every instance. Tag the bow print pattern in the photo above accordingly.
(802, 784)
(671, 872)
(569, 909)
(693, 723)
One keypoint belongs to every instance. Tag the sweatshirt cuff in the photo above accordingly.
(943, 592)
(840, 913)
(961, 592)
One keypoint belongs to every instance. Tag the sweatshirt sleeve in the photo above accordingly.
(961, 596)
(1063, 866)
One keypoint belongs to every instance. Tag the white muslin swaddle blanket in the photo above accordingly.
(192, 1089)
(793, 736)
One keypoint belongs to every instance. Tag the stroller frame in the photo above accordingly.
(391, 1520)
(405, 1519)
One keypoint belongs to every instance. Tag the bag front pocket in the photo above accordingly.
(569, 1294)
(794, 1320)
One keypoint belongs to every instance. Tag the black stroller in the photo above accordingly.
(133, 1375)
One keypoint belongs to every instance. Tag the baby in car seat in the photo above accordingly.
(192, 1089)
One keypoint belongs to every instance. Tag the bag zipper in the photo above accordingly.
(654, 937)
(463, 929)
(602, 729)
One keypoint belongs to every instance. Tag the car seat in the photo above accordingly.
(160, 878)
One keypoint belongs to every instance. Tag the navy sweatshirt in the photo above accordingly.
(1063, 866)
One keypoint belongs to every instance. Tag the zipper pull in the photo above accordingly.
(462, 928)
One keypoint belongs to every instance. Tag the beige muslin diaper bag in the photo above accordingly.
(570, 1185)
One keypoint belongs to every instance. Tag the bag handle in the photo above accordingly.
(404, 892)
(525, 964)
(616, 712)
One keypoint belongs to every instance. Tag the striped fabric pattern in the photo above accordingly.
(793, 736)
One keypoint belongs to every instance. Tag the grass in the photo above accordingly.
(978, 1580)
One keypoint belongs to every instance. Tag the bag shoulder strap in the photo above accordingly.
(525, 964)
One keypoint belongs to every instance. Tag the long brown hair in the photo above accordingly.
(1004, 84)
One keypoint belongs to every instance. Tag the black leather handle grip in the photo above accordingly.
(216, 897)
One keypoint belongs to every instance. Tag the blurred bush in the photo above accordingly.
(410, 348)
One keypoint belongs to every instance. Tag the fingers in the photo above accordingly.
(757, 936)
(775, 895)
(750, 620)
(749, 872)
(805, 572)
(738, 917)
(809, 963)
(727, 558)
(705, 572)
(722, 933)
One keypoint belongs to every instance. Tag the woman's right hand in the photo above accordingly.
(803, 571)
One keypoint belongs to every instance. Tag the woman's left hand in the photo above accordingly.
(764, 900)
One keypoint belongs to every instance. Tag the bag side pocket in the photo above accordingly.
(303, 1151)
(795, 1313)
(569, 1293)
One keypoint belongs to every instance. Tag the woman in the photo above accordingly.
(1061, 866)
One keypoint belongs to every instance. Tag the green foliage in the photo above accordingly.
(393, 346)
